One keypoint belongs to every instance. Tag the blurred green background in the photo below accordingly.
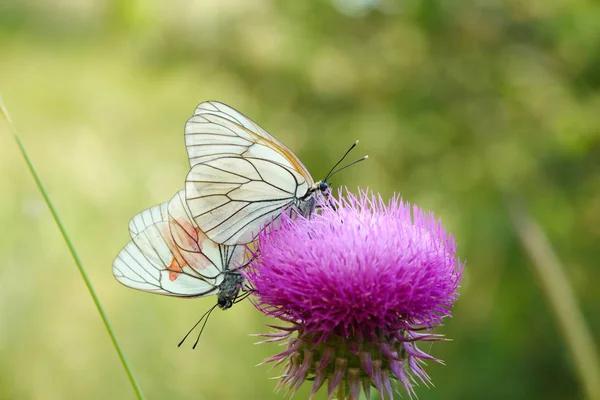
(458, 104)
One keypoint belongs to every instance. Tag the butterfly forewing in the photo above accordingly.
(243, 127)
(169, 255)
(241, 176)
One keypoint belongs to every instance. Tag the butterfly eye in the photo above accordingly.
(222, 302)
(323, 186)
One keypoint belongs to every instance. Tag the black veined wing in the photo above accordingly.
(169, 255)
(241, 177)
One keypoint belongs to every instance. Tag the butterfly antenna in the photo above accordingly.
(346, 166)
(338, 163)
(205, 315)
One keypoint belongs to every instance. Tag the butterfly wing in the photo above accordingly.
(169, 255)
(231, 199)
(217, 129)
(147, 218)
(240, 177)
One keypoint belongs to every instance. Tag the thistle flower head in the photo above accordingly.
(361, 282)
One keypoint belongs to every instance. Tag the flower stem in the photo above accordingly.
(78, 263)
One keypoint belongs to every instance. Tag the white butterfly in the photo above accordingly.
(242, 177)
(169, 255)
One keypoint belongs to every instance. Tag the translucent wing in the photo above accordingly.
(233, 198)
(147, 218)
(217, 129)
(241, 176)
(169, 255)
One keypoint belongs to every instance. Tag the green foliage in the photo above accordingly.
(457, 104)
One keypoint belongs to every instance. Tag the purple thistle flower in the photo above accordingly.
(361, 284)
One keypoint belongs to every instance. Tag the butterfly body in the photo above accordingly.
(307, 204)
(229, 289)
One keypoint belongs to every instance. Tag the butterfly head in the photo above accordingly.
(322, 186)
(224, 302)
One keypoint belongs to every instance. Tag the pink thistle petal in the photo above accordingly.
(319, 379)
(366, 385)
(293, 369)
(293, 348)
(361, 283)
(365, 361)
(334, 252)
(284, 328)
(278, 362)
(272, 340)
(338, 374)
(418, 371)
(326, 357)
(387, 385)
(418, 353)
(397, 368)
(302, 371)
(353, 347)
(377, 378)
(388, 352)
(354, 383)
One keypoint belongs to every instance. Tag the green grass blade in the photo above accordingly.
(555, 283)
(84, 275)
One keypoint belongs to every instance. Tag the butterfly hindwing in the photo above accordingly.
(232, 207)
(169, 255)
(147, 218)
